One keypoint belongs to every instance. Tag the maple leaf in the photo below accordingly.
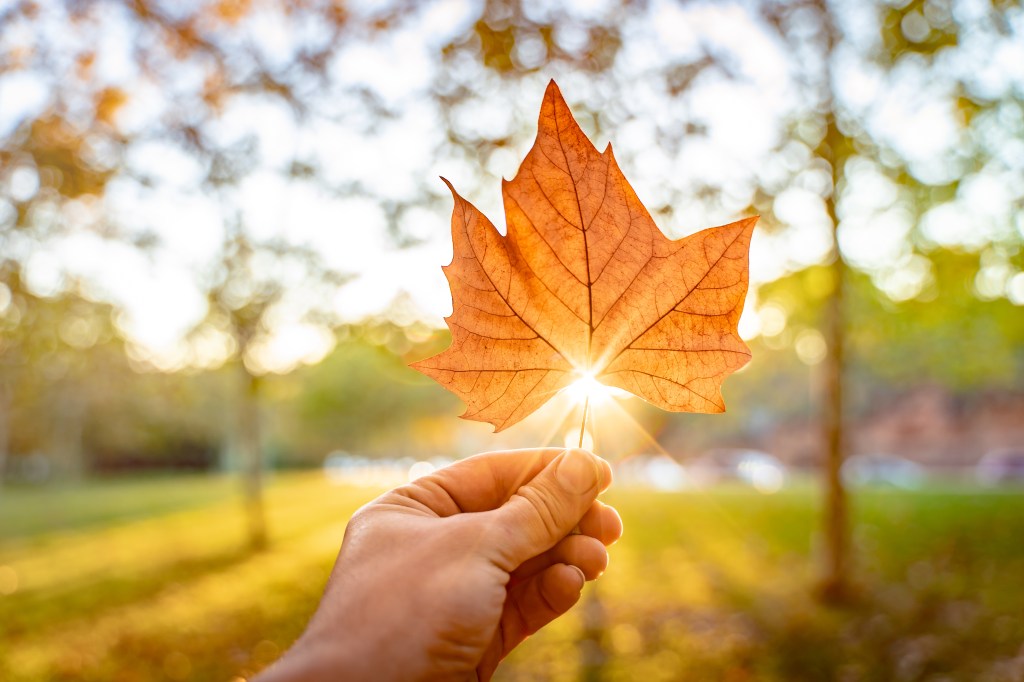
(584, 284)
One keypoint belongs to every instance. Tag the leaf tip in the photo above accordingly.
(553, 97)
(748, 225)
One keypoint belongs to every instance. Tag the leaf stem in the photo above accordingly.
(583, 426)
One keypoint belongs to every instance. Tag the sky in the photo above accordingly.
(395, 159)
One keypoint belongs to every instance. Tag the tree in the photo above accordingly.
(52, 351)
(842, 149)
(923, 39)
(175, 113)
(252, 284)
(833, 149)
(94, 112)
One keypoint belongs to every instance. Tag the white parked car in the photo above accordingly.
(659, 472)
(883, 469)
(760, 470)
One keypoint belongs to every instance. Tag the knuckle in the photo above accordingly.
(358, 517)
(545, 508)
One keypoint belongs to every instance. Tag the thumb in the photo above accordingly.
(546, 509)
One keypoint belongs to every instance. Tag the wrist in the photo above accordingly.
(303, 661)
(314, 659)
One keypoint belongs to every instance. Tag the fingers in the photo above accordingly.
(538, 601)
(530, 606)
(583, 552)
(599, 527)
(487, 481)
(544, 510)
(480, 483)
(601, 522)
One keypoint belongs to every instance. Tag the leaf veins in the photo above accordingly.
(585, 284)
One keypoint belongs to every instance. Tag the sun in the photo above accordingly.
(587, 386)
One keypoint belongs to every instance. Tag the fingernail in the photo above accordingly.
(579, 572)
(577, 471)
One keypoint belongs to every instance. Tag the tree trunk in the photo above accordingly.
(5, 425)
(833, 148)
(66, 438)
(835, 578)
(834, 581)
(591, 644)
(251, 451)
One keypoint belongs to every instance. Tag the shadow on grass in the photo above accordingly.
(27, 612)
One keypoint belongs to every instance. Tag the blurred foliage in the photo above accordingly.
(894, 343)
(362, 398)
(53, 351)
(118, 414)
(931, 311)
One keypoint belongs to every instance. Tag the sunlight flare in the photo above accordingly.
(587, 386)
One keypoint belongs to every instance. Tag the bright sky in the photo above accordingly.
(158, 290)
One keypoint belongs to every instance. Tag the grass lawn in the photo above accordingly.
(150, 580)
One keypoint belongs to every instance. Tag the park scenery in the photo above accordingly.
(237, 303)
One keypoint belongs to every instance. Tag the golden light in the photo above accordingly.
(588, 398)
(572, 439)
(587, 386)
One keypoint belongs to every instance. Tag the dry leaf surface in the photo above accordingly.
(585, 284)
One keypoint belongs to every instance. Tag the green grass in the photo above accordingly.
(30, 511)
(150, 580)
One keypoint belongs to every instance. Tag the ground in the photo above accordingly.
(150, 580)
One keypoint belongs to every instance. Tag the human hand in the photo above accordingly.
(441, 578)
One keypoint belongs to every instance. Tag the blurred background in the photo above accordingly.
(221, 240)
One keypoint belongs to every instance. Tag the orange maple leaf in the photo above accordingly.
(586, 285)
